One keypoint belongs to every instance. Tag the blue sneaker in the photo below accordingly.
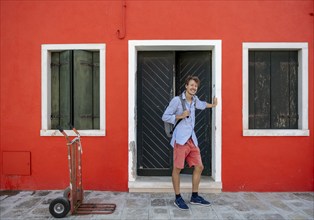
(180, 204)
(199, 201)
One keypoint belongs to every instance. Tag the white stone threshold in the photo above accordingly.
(164, 184)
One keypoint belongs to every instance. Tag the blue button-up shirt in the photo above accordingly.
(185, 128)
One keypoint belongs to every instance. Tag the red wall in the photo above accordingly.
(248, 163)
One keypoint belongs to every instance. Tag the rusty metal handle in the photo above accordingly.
(64, 134)
(60, 129)
(74, 129)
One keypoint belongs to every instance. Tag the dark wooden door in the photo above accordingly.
(198, 63)
(154, 90)
(161, 76)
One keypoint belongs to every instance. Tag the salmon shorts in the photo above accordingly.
(188, 152)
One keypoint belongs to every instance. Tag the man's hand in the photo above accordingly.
(215, 102)
(185, 114)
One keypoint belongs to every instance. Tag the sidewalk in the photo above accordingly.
(34, 205)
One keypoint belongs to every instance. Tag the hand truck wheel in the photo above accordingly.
(59, 207)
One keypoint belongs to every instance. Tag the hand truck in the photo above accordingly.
(73, 195)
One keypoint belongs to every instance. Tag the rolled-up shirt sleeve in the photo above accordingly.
(170, 113)
(200, 104)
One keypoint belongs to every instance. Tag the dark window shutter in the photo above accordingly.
(273, 90)
(83, 85)
(66, 73)
(259, 90)
(86, 78)
(280, 89)
(293, 96)
(75, 89)
(55, 90)
(61, 77)
(96, 91)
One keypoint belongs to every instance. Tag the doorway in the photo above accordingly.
(161, 76)
(141, 184)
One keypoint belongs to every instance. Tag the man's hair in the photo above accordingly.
(195, 78)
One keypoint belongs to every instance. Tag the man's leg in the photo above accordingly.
(194, 159)
(178, 164)
(179, 202)
(179, 153)
(196, 178)
(176, 180)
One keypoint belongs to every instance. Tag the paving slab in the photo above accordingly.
(159, 206)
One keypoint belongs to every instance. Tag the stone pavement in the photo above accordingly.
(243, 205)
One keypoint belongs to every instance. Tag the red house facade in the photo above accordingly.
(111, 67)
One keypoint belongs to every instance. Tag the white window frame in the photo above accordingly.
(46, 50)
(302, 49)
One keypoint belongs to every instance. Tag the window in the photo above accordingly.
(275, 90)
(73, 88)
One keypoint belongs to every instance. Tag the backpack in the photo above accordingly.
(169, 128)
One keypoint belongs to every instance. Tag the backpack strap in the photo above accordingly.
(184, 108)
(182, 102)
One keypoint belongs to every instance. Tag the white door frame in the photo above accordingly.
(159, 45)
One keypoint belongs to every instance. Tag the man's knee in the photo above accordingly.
(176, 170)
(199, 168)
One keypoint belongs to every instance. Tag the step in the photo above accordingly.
(164, 184)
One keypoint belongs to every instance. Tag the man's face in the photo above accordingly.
(191, 88)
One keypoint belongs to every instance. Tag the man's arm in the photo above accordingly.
(185, 114)
(169, 114)
(214, 104)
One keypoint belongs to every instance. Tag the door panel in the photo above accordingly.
(198, 63)
(155, 77)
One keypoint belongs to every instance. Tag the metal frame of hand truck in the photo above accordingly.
(73, 196)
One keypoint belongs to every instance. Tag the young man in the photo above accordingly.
(184, 140)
